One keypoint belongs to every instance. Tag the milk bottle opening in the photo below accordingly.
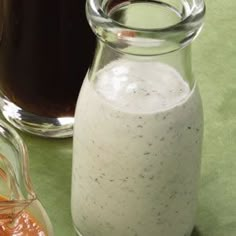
(146, 27)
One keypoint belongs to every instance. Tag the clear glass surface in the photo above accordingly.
(41, 65)
(21, 212)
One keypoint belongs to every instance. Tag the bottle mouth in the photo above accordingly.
(146, 26)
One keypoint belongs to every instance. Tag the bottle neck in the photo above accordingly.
(150, 31)
(179, 60)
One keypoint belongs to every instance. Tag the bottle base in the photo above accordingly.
(38, 125)
(191, 233)
(77, 233)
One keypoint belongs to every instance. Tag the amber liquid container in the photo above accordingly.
(46, 48)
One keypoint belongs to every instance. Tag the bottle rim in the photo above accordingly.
(154, 40)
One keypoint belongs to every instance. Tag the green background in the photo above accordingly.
(214, 63)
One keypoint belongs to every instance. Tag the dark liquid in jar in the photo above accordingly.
(24, 224)
(45, 51)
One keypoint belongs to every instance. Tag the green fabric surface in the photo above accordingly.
(214, 60)
(214, 63)
(50, 169)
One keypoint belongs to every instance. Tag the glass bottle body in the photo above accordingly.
(137, 142)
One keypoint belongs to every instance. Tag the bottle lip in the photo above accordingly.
(154, 40)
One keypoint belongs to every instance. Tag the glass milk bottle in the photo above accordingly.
(138, 122)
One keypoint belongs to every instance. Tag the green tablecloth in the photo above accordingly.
(214, 62)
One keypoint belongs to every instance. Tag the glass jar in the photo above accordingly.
(139, 122)
(21, 212)
(46, 48)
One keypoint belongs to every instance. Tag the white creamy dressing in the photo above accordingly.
(136, 152)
